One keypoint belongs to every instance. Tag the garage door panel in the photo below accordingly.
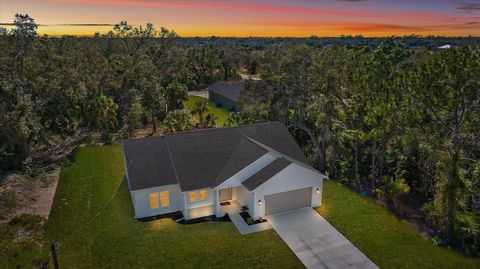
(286, 201)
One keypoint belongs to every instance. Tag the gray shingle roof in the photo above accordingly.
(148, 163)
(230, 90)
(265, 173)
(204, 158)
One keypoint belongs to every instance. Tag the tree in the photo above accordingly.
(102, 113)
(252, 67)
(16, 133)
(134, 117)
(25, 26)
(199, 109)
(177, 121)
(446, 92)
(152, 100)
(210, 120)
(230, 60)
(175, 94)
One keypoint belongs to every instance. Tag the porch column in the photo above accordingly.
(216, 206)
(185, 202)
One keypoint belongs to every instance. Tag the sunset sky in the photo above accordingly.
(255, 18)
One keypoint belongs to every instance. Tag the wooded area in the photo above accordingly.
(389, 120)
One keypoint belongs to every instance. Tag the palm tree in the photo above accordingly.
(200, 109)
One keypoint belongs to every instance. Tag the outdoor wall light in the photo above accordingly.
(259, 202)
(318, 191)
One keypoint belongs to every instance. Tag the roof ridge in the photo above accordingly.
(221, 128)
(165, 135)
(243, 137)
(286, 157)
(171, 161)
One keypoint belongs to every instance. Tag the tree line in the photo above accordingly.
(386, 121)
(111, 84)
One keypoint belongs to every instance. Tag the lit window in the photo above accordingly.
(164, 199)
(153, 198)
(203, 194)
(192, 196)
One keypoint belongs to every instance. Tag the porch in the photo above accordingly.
(229, 207)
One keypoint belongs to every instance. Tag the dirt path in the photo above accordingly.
(21, 194)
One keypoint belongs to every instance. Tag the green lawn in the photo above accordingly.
(386, 240)
(28, 252)
(114, 239)
(96, 234)
(222, 114)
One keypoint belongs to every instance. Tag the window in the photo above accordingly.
(192, 196)
(203, 194)
(164, 199)
(200, 195)
(159, 199)
(153, 198)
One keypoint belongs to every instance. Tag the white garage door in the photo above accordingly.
(286, 201)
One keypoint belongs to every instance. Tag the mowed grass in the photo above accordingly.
(388, 241)
(96, 234)
(222, 114)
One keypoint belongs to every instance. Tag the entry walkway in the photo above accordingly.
(244, 228)
(316, 242)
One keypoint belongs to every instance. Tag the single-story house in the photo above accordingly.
(216, 171)
(226, 94)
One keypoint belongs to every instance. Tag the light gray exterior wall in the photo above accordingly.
(141, 203)
(293, 177)
(196, 204)
(244, 197)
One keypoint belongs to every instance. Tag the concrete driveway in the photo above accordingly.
(317, 243)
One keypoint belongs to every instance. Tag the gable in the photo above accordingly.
(292, 177)
(265, 173)
(247, 172)
(244, 154)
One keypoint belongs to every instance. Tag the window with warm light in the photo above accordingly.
(192, 196)
(153, 198)
(203, 194)
(164, 198)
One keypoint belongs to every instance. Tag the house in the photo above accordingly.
(217, 171)
(445, 47)
(226, 94)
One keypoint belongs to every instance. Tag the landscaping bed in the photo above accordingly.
(249, 220)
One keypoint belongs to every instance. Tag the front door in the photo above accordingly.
(225, 194)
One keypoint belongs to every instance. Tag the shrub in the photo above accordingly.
(466, 228)
(250, 221)
(396, 187)
(178, 121)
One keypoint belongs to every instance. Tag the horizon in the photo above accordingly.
(263, 18)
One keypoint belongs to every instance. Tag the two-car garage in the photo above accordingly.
(287, 201)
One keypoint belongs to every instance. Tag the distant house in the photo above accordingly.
(226, 94)
(217, 171)
(445, 47)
